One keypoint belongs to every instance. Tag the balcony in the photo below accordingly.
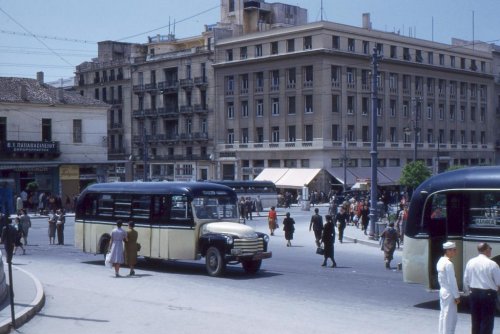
(150, 113)
(200, 136)
(138, 113)
(151, 87)
(200, 109)
(168, 87)
(201, 82)
(186, 109)
(187, 84)
(168, 112)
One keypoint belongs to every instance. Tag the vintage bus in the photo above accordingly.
(265, 189)
(462, 206)
(175, 221)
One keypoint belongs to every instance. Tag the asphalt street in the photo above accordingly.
(291, 294)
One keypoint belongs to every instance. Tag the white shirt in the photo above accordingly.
(446, 277)
(481, 273)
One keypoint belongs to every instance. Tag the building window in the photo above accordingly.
(365, 105)
(77, 131)
(473, 137)
(230, 110)
(308, 104)
(291, 133)
(473, 113)
(230, 136)
(441, 111)
(244, 135)
(430, 136)
(430, 58)
(393, 134)
(244, 109)
(366, 47)
(350, 133)
(394, 51)
(462, 113)
(392, 107)
(274, 48)
(365, 133)
(430, 110)
(482, 115)
(335, 132)
(275, 79)
(275, 134)
(290, 78)
(243, 52)
(308, 132)
(452, 61)
(418, 56)
(335, 42)
(406, 108)
(259, 108)
(244, 84)
(335, 103)
(275, 106)
(259, 132)
(258, 50)
(441, 59)
(380, 107)
(406, 54)
(350, 105)
(351, 45)
(291, 105)
(46, 129)
(335, 73)
(307, 43)
(452, 112)
(229, 85)
(259, 81)
(304, 163)
(290, 45)
(308, 76)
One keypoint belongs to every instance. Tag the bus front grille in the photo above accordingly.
(249, 246)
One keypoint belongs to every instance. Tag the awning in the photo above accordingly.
(271, 174)
(297, 177)
(386, 176)
(294, 178)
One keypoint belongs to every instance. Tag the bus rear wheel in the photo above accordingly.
(251, 267)
(214, 261)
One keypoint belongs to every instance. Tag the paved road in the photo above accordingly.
(292, 294)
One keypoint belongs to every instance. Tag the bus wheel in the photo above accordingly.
(104, 245)
(251, 267)
(215, 263)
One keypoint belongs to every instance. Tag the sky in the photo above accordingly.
(54, 36)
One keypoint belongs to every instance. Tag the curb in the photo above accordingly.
(28, 312)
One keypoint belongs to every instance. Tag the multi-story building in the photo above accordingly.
(49, 137)
(108, 78)
(300, 97)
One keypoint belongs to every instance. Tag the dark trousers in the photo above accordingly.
(482, 309)
(60, 234)
(341, 232)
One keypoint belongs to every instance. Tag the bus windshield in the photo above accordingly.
(215, 207)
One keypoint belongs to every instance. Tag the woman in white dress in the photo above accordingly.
(116, 247)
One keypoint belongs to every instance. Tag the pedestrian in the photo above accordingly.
(365, 211)
(328, 239)
(118, 236)
(19, 235)
(289, 228)
(9, 234)
(449, 296)
(60, 222)
(249, 208)
(482, 280)
(341, 219)
(390, 238)
(316, 225)
(131, 248)
(258, 205)
(243, 209)
(272, 219)
(25, 224)
(19, 204)
(52, 228)
(401, 222)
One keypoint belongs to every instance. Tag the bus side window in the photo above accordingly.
(180, 211)
(438, 215)
(141, 207)
(159, 209)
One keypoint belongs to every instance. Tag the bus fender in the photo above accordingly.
(103, 244)
(213, 239)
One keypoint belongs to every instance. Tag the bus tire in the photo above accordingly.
(104, 245)
(214, 262)
(251, 267)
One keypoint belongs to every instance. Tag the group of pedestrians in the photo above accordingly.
(123, 247)
(324, 235)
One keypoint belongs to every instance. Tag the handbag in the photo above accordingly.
(107, 261)
(138, 247)
(320, 251)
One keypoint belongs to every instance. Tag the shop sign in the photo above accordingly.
(69, 172)
(12, 146)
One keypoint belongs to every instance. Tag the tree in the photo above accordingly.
(414, 174)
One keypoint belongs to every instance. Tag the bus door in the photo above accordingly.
(158, 237)
(445, 224)
(182, 241)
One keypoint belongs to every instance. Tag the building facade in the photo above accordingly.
(300, 97)
(49, 137)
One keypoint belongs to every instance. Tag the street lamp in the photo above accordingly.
(414, 128)
(344, 163)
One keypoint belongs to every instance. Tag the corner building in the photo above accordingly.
(300, 97)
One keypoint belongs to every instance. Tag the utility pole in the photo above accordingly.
(145, 151)
(344, 160)
(374, 160)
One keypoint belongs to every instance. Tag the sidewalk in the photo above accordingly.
(29, 298)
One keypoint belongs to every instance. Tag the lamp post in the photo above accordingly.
(145, 151)
(344, 163)
(416, 130)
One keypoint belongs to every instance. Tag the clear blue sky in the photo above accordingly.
(67, 30)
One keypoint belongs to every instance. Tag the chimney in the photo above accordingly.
(23, 92)
(366, 21)
(39, 77)
(60, 94)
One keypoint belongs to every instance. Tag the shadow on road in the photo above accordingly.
(235, 272)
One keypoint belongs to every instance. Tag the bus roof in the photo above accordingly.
(486, 177)
(156, 187)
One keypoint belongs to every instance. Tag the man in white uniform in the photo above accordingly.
(449, 296)
(482, 279)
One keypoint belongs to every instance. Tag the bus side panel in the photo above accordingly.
(416, 270)
(79, 235)
(182, 243)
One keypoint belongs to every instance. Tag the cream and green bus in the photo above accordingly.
(174, 220)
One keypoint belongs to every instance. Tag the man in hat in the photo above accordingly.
(482, 279)
(449, 296)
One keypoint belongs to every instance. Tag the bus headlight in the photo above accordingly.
(266, 238)
(229, 240)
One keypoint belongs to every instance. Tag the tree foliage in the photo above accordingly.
(414, 174)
